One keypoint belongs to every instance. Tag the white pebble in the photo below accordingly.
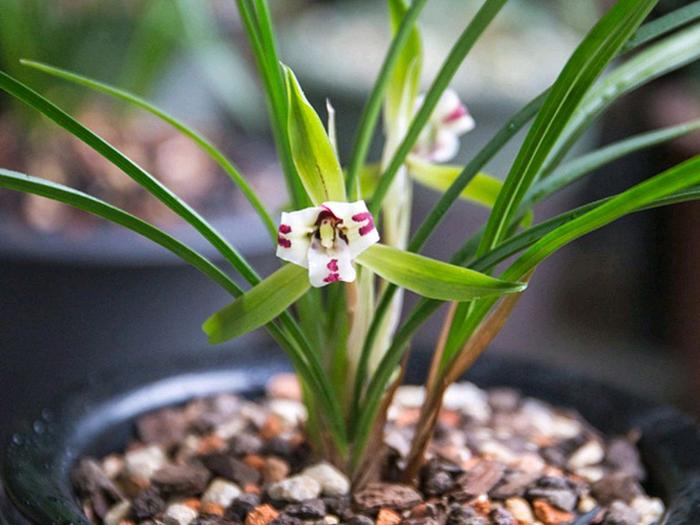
(589, 454)
(117, 513)
(221, 492)
(564, 427)
(144, 462)
(591, 474)
(650, 509)
(332, 481)
(409, 396)
(296, 488)
(290, 412)
(586, 504)
(231, 428)
(468, 399)
(182, 514)
(497, 451)
(112, 466)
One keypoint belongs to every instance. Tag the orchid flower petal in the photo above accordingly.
(329, 266)
(294, 235)
(439, 141)
(358, 225)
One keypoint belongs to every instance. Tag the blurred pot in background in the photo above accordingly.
(102, 289)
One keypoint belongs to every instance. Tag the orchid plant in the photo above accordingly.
(336, 303)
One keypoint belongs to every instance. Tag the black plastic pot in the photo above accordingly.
(97, 420)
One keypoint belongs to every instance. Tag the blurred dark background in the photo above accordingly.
(78, 297)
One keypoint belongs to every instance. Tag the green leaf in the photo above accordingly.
(312, 151)
(370, 113)
(133, 170)
(482, 189)
(667, 23)
(588, 61)
(572, 171)
(678, 178)
(432, 278)
(403, 85)
(12, 180)
(260, 305)
(196, 137)
(646, 194)
(663, 57)
(258, 25)
(458, 53)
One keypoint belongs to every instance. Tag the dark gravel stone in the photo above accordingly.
(166, 427)
(245, 443)
(554, 455)
(359, 519)
(464, 515)
(213, 520)
(502, 517)
(420, 521)
(623, 455)
(437, 482)
(230, 468)
(513, 483)
(480, 479)
(616, 486)
(147, 504)
(92, 483)
(279, 447)
(181, 480)
(307, 510)
(389, 495)
(555, 482)
(564, 499)
(340, 506)
(240, 507)
(285, 519)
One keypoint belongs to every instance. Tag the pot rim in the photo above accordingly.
(37, 464)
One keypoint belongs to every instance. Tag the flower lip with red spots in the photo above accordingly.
(326, 238)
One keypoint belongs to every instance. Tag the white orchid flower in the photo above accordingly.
(439, 141)
(326, 238)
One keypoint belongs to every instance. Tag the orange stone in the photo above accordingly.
(388, 517)
(482, 504)
(211, 508)
(126, 522)
(407, 417)
(254, 461)
(251, 488)
(450, 418)
(261, 515)
(193, 503)
(550, 515)
(271, 427)
(211, 443)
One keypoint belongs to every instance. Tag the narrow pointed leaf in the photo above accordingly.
(588, 61)
(572, 171)
(209, 148)
(431, 278)
(260, 305)
(483, 18)
(130, 168)
(403, 84)
(667, 23)
(12, 180)
(370, 112)
(312, 151)
(664, 56)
